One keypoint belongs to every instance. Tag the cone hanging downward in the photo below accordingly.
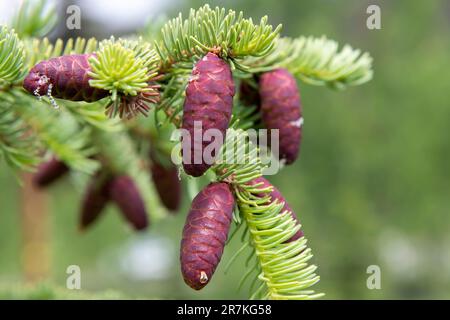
(208, 105)
(125, 194)
(167, 183)
(94, 201)
(205, 233)
(281, 109)
(49, 172)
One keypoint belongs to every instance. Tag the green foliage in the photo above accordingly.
(11, 56)
(281, 268)
(119, 154)
(27, 125)
(244, 117)
(70, 144)
(366, 169)
(317, 61)
(57, 131)
(231, 36)
(92, 114)
(172, 98)
(35, 18)
(17, 145)
(117, 69)
(124, 68)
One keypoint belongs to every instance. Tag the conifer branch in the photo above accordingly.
(317, 61)
(228, 34)
(11, 56)
(281, 267)
(57, 131)
(134, 73)
(118, 153)
(18, 148)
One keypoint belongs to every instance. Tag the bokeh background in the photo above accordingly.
(372, 185)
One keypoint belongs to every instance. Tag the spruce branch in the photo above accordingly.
(11, 56)
(317, 61)
(172, 98)
(35, 120)
(282, 269)
(136, 74)
(227, 34)
(18, 148)
(57, 131)
(92, 114)
(118, 152)
(37, 50)
(244, 117)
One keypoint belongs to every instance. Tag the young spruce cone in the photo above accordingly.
(281, 109)
(123, 191)
(167, 184)
(64, 77)
(205, 233)
(276, 195)
(209, 101)
(94, 201)
(50, 171)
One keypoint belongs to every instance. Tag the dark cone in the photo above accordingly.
(49, 172)
(124, 193)
(205, 233)
(281, 109)
(67, 76)
(167, 184)
(209, 100)
(94, 201)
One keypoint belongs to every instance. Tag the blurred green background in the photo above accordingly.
(371, 186)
